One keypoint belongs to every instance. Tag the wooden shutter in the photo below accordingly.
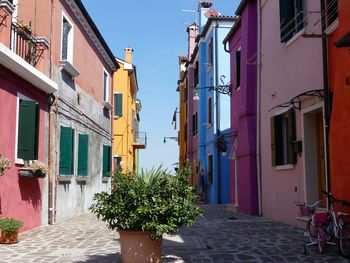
(83, 154)
(291, 156)
(238, 69)
(276, 140)
(106, 166)
(273, 142)
(118, 107)
(28, 130)
(286, 16)
(299, 14)
(66, 151)
(209, 111)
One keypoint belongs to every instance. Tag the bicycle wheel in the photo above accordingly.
(344, 241)
(312, 231)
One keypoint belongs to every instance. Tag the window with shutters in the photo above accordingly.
(210, 52)
(83, 154)
(210, 110)
(66, 166)
(282, 138)
(210, 169)
(238, 68)
(27, 129)
(118, 104)
(331, 12)
(117, 162)
(67, 39)
(105, 86)
(106, 165)
(291, 18)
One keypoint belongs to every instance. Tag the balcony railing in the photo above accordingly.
(140, 140)
(26, 45)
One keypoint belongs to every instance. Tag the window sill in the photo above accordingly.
(82, 178)
(295, 37)
(69, 68)
(105, 179)
(107, 105)
(284, 167)
(64, 178)
(332, 27)
(10, 7)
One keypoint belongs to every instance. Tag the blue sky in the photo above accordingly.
(156, 30)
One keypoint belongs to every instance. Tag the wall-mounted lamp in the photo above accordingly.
(223, 89)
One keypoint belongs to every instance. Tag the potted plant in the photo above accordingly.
(5, 164)
(143, 207)
(9, 230)
(34, 169)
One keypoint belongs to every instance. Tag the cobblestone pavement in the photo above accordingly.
(219, 236)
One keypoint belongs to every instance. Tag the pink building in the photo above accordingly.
(55, 93)
(290, 98)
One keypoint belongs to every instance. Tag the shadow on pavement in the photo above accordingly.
(109, 258)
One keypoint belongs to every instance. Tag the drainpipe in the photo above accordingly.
(217, 113)
(258, 109)
(53, 106)
(327, 102)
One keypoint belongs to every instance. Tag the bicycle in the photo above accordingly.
(326, 226)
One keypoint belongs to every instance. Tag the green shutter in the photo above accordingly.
(66, 151)
(291, 157)
(106, 166)
(118, 107)
(273, 142)
(278, 121)
(28, 130)
(83, 156)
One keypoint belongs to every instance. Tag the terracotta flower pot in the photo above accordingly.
(137, 246)
(9, 237)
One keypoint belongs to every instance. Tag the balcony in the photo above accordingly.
(140, 140)
(26, 45)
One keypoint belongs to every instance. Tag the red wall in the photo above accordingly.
(20, 197)
(339, 69)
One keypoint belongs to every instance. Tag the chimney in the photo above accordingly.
(192, 32)
(128, 54)
(203, 7)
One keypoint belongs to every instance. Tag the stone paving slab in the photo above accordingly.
(219, 236)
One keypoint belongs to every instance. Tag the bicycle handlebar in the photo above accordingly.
(335, 200)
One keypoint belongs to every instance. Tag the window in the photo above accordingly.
(210, 110)
(67, 40)
(118, 104)
(331, 12)
(282, 138)
(117, 162)
(210, 169)
(210, 53)
(105, 86)
(66, 151)
(185, 132)
(291, 18)
(195, 124)
(28, 129)
(83, 154)
(238, 68)
(106, 166)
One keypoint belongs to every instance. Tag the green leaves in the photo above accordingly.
(10, 224)
(153, 200)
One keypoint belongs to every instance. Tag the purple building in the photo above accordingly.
(242, 46)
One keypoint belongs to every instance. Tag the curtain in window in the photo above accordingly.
(66, 29)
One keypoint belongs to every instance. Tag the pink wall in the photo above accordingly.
(286, 71)
(20, 197)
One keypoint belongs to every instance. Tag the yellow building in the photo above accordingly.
(127, 138)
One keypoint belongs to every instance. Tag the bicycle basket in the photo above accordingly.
(321, 218)
(305, 211)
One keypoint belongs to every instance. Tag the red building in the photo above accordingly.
(338, 27)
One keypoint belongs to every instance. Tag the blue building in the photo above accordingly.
(214, 107)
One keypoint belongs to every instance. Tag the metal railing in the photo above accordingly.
(140, 138)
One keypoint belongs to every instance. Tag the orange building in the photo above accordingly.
(338, 28)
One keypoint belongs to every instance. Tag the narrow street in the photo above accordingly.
(219, 236)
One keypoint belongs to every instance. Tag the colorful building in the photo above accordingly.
(127, 140)
(290, 120)
(213, 105)
(242, 45)
(337, 27)
(57, 109)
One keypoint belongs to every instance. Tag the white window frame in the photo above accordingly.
(70, 39)
(105, 95)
